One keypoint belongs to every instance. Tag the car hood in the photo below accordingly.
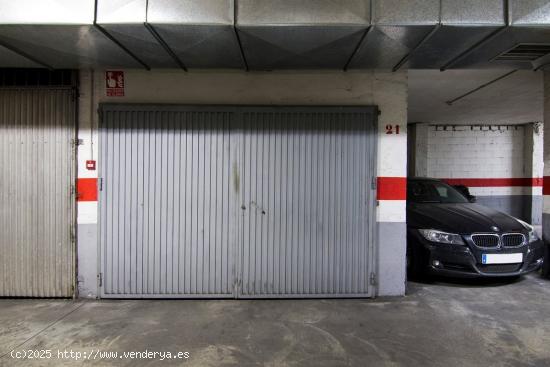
(459, 218)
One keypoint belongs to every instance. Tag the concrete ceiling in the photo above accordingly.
(515, 99)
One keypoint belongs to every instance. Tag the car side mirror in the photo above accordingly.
(472, 199)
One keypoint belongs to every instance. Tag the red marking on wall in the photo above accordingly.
(392, 188)
(546, 185)
(496, 182)
(86, 189)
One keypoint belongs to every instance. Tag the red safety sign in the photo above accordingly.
(114, 80)
(90, 165)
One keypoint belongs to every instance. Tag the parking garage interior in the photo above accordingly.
(251, 151)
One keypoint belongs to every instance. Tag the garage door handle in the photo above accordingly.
(243, 207)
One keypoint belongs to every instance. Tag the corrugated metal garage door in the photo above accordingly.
(236, 201)
(37, 128)
(307, 178)
(166, 203)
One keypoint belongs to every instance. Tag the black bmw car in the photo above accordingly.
(449, 235)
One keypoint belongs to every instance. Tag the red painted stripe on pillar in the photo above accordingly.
(537, 181)
(496, 182)
(546, 185)
(86, 189)
(392, 188)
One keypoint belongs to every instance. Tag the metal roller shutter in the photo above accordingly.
(37, 174)
(237, 202)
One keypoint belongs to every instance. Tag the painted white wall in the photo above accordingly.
(488, 151)
(383, 88)
(472, 151)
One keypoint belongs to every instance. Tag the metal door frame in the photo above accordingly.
(236, 134)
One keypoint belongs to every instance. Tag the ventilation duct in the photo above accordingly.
(525, 52)
(200, 33)
(529, 25)
(301, 34)
(59, 34)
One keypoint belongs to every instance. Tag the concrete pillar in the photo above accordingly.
(546, 185)
(87, 186)
(533, 167)
(421, 146)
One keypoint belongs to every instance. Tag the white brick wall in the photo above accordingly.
(473, 152)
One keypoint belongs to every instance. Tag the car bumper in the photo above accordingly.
(463, 261)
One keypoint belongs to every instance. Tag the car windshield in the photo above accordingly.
(433, 192)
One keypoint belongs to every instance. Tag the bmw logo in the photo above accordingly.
(495, 228)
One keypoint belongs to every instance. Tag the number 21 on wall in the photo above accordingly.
(392, 129)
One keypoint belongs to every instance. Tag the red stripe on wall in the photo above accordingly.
(86, 189)
(546, 185)
(495, 182)
(392, 188)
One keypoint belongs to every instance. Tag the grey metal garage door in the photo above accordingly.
(236, 201)
(37, 175)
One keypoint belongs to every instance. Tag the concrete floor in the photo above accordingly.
(468, 323)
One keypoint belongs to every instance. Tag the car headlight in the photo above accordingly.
(533, 236)
(441, 237)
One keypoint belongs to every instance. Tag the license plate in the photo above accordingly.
(502, 258)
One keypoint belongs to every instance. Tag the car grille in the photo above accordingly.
(512, 240)
(499, 268)
(493, 240)
(485, 240)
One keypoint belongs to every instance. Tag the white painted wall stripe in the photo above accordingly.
(87, 212)
(391, 211)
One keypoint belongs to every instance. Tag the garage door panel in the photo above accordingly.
(165, 204)
(236, 201)
(306, 200)
(37, 128)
